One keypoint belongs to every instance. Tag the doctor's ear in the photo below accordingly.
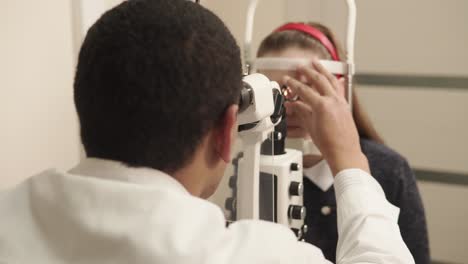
(226, 133)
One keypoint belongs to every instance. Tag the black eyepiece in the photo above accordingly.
(246, 97)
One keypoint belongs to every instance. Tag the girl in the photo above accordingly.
(315, 41)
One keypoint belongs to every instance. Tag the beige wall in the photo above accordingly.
(427, 125)
(38, 48)
(269, 14)
(38, 128)
(446, 214)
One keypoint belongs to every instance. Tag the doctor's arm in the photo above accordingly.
(367, 222)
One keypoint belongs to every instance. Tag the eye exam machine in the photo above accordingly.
(267, 181)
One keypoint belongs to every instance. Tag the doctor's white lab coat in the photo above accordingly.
(104, 212)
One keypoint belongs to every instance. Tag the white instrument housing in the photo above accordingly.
(262, 104)
(287, 170)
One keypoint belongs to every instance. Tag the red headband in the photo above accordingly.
(315, 33)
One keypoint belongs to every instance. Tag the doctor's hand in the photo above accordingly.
(325, 114)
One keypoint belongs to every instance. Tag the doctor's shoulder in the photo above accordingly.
(17, 214)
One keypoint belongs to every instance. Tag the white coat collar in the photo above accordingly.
(114, 170)
(321, 175)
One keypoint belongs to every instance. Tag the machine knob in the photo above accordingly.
(297, 232)
(230, 204)
(305, 229)
(275, 136)
(296, 188)
(297, 212)
(295, 166)
(232, 182)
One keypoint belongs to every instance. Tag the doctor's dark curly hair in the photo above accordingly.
(153, 77)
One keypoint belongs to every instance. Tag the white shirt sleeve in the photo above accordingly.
(367, 227)
(367, 223)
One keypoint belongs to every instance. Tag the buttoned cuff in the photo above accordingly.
(350, 178)
(358, 192)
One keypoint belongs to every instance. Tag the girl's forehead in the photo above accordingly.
(292, 52)
(277, 75)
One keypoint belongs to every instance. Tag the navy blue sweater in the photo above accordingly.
(398, 182)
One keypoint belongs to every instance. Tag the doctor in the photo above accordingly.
(156, 87)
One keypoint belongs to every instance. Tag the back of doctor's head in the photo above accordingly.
(153, 77)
